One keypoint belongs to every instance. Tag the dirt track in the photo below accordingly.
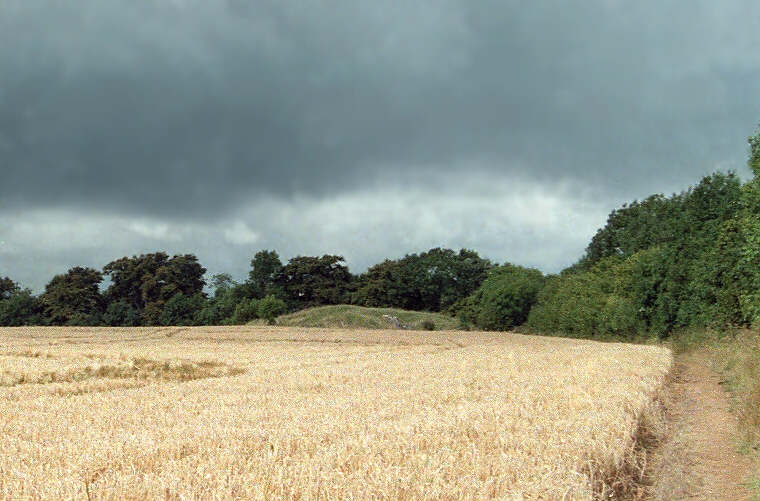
(699, 462)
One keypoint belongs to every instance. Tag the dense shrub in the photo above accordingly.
(569, 305)
(270, 308)
(504, 300)
(220, 309)
(246, 311)
(121, 313)
(181, 309)
(22, 308)
(428, 325)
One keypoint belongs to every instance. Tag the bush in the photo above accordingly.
(270, 308)
(428, 325)
(121, 314)
(246, 311)
(181, 309)
(220, 309)
(22, 308)
(615, 298)
(621, 318)
(504, 300)
(569, 305)
(207, 316)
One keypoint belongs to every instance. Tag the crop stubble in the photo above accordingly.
(319, 414)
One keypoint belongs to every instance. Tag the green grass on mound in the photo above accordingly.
(358, 317)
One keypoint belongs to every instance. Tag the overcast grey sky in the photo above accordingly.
(369, 129)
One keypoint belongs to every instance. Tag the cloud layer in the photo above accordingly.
(235, 121)
(521, 222)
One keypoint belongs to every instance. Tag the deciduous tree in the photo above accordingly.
(265, 270)
(74, 298)
(313, 281)
(147, 282)
(432, 281)
(8, 288)
(22, 308)
(504, 300)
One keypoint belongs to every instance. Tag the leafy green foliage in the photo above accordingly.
(504, 300)
(246, 311)
(221, 283)
(312, 281)
(8, 288)
(74, 297)
(270, 308)
(220, 309)
(22, 308)
(377, 285)
(569, 305)
(749, 298)
(147, 282)
(266, 267)
(121, 313)
(633, 227)
(754, 154)
(181, 309)
(660, 265)
(682, 220)
(432, 281)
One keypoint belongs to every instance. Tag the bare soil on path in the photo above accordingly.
(699, 460)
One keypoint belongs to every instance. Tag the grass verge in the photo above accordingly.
(736, 357)
(738, 361)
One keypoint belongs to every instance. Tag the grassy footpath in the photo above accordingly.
(736, 357)
(357, 317)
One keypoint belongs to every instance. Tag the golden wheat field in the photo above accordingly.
(262, 413)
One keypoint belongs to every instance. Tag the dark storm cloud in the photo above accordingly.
(179, 108)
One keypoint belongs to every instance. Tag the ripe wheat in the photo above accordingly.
(318, 414)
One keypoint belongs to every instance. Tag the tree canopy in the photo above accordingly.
(432, 281)
(658, 265)
(8, 288)
(74, 298)
(313, 281)
(266, 268)
(504, 300)
(662, 264)
(147, 282)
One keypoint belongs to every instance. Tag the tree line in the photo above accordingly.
(691, 259)
(665, 263)
(159, 289)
